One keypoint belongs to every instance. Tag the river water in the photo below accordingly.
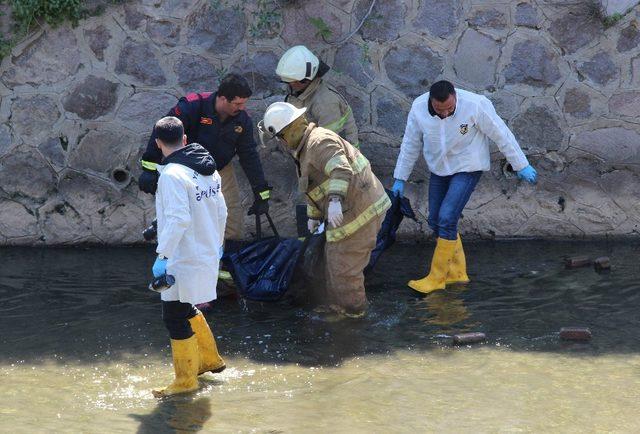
(82, 343)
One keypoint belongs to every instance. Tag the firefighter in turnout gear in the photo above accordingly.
(341, 190)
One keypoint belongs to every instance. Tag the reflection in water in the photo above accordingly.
(182, 414)
(81, 346)
(445, 308)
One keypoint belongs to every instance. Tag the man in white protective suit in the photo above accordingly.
(191, 214)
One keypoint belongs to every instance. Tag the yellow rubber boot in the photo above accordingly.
(185, 364)
(436, 279)
(210, 359)
(458, 269)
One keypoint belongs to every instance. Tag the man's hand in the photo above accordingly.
(334, 213)
(398, 188)
(312, 225)
(261, 203)
(159, 267)
(148, 181)
(528, 174)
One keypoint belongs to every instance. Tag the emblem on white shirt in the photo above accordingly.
(464, 128)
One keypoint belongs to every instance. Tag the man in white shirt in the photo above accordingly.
(453, 128)
(191, 214)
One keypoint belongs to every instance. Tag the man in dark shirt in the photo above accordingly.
(219, 122)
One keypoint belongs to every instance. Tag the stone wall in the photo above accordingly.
(78, 105)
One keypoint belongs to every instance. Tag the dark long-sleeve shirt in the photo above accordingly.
(223, 139)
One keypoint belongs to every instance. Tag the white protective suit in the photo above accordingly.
(458, 143)
(191, 215)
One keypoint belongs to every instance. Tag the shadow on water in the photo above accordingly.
(178, 414)
(92, 305)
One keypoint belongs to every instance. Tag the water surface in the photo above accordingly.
(82, 343)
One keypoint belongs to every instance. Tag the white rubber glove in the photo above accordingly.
(312, 225)
(335, 213)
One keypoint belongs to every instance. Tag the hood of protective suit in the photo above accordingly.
(195, 157)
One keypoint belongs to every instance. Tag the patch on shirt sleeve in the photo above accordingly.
(464, 129)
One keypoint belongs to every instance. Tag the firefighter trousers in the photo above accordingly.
(231, 192)
(345, 261)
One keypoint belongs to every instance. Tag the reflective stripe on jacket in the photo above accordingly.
(329, 165)
(327, 108)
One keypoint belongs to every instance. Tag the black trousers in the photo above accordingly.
(176, 317)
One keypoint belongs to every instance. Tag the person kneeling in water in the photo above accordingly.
(191, 214)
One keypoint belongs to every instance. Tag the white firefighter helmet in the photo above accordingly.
(296, 64)
(278, 116)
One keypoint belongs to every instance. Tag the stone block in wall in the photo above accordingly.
(92, 98)
(102, 151)
(352, 59)
(391, 112)
(33, 116)
(413, 67)
(16, 220)
(625, 104)
(526, 16)
(476, 58)
(623, 186)
(381, 154)
(260, 71)
(629, 38)
(507, 104)
(133, 17)
(533, 64)
(581, 103)
(360, 105)
(98, 40)
(438, 17)
(86, 194)
(120, 223)
(51, 58)
(488, 18)
(385, 21)
(615, 145)
(303, 20)
(589, 207)
(164, 32)
(140, 61)
(142, 110)
(52, 150)
(196, 73)
(600, 69)
(7, 142)
(577, 27)
(216, 30)
(549, 227)
(62, 223)
(27, 174)
(538, 126)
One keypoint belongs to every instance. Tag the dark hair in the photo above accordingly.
(170, 131)
(232, 86)
(441, 90)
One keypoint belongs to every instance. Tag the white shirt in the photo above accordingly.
(191, 214)
(458, 143)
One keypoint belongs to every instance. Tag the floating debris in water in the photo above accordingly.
(577, 262)
(575, 334)
(602, 264)
(469, 338)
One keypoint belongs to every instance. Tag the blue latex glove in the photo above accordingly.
(398, 188)
(159, 267)
(528, 174)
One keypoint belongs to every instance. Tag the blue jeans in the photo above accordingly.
(448, 196)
